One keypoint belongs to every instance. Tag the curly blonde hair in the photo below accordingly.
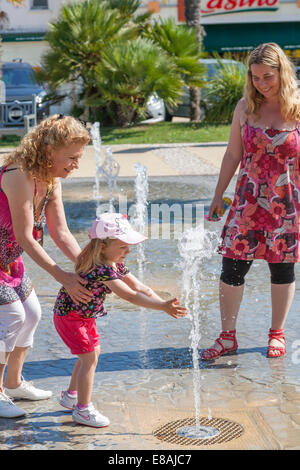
(56, 131)
(271, 54)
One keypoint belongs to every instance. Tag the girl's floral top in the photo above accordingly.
(264, 219)
(95, 308)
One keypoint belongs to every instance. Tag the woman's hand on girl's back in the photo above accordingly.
(75, 287)
(173, 308)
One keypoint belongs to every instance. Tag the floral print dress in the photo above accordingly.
(94, 308)
(263, 222)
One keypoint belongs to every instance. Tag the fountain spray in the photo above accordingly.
(109, 169)
(140, 217)
(195, 245)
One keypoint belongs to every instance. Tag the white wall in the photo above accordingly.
(28, 51)
(24, 18)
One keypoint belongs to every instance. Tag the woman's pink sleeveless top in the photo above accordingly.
(11, 263)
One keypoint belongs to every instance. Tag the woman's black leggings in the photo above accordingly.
(234, 272)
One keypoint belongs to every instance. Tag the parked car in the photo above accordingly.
(20, 85)
(183, 109)
(155, 108)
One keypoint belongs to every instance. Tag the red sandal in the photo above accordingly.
(214, 353)
(279, 336)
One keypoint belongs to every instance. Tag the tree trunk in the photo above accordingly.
(193, 16)
(193, 19)
(195, 112)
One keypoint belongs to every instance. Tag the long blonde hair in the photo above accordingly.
(56, 131)
(271, 54)
(91, 255)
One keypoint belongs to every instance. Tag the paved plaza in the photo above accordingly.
(142, 389)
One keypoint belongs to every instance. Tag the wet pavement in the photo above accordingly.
(144, 378)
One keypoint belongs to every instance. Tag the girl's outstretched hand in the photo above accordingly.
(173, 308)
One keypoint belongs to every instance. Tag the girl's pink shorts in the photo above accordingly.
(78, 333)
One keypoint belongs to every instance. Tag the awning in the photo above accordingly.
(20, 37)
(246, 36)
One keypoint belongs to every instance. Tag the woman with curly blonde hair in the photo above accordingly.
(263, 222)
(30, 196)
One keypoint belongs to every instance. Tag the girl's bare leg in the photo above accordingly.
(73, 382)
(85, 375)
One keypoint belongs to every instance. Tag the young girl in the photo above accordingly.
(101, 264)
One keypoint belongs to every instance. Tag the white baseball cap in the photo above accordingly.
(115, 226)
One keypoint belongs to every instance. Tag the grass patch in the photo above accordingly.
(165, 133)
(159, 133)
(9, 141)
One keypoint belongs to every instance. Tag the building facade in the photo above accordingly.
(23, 35)
(240, 25)
(230, 25)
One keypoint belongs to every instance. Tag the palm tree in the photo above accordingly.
(193, 19)
(95, 43)
(128, 9)
(181, 43)
(129, 74)
(78, 40)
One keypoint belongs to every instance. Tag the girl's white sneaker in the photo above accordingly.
(67, 401)
(90, 417)
(8, 409)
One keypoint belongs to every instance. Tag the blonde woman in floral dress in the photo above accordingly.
(263, 222)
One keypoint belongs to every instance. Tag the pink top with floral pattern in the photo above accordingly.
(11, 263)
(264, 222)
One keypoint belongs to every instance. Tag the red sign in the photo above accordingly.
(221, 7)
(180, 10)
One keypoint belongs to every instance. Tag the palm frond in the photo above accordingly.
(132, 71)
(181, 43)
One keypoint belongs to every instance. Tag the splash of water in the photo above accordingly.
(141, 214)
(107, 169)
(139, 221)
(195, 246)
(96, 139)
(110, 170)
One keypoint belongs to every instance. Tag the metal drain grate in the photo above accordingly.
(229, 430)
